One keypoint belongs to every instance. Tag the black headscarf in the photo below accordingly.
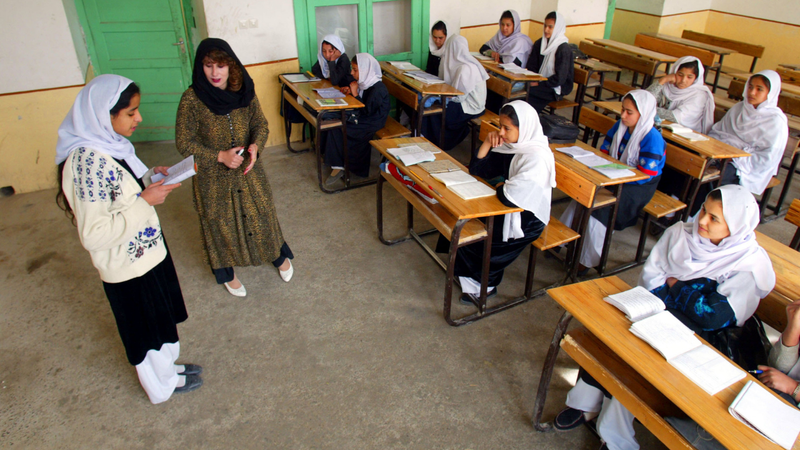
(220, 101)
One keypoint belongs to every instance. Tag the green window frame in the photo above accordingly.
(305, 24)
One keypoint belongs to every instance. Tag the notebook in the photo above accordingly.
(760, 410)
(329, 93)
(331, 102)
(597, 162)
(515, 69)
(469, 191)
(442, 166)
(480, 57)
(299, 78)
(450, 179)
(403, 65)
(637, 303)
(177, 173)
(424, 77)
(427, 146)
(684, 132)
(411, 155)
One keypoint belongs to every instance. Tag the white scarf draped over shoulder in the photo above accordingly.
(369, 72)
(436, 51)
(740, 266)
(514, 46)
(762, 132)
(460, 69)
(88, 124)
(337, 43)
(646, 104)
(550, 46)
(693, 106)
(532, 175)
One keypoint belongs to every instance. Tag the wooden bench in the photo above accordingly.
(661, 205)
(762, 204)
(789, 76)
(636, 64)
(674, 49)
(595, 124)
(410, 98)
(562, 104)
(756, 51)
(392, 130)
(793, 217)
(475, 127)
(555, 234)
(582, 79)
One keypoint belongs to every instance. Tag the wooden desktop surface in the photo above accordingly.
(701, 45)
(786, 263)
(593, 176)
(306, 91)
(597, 66)
(457, 206)
(585, 302)
(655, 56)
(422, 88)
(494, 67)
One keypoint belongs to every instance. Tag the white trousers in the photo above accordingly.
(158, 373)
(615, 422)
(592, 239)
(470, 286)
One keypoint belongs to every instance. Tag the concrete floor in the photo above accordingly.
(352, 353)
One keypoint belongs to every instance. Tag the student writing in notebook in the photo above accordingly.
(518, 153)
(551, 57)
(362, 123)
(711, 274)
(634, 141)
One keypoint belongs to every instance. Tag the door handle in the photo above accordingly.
(182, 44)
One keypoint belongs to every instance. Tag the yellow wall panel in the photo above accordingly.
(627, 24)
(268, 90)
(674, 25)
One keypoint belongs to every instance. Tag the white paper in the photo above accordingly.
(708, 369)
(424, 77)
(330, 93)
(404, 65)
(177, 173)
(299, 78)
(427, 146)
(666, 334)
(593, 160)
(615, 173)
(410, 159)
(762, 411)
(469, 191)
(574, 151)
(454, 178)
(690, 135)
(636, 303)
(513, 68)
(480, 57)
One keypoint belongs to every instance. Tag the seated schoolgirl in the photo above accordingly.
(520, 154)
(363, 123)
(462, 71)
(683, 97)
(509, 45)
(636, 142)
(436, 46)
(552, 57)
(711, 274)
(332, 62)
(757, 126)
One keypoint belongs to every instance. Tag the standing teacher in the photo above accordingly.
(219, 117)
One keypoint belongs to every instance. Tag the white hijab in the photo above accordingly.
(515, 46)
(460, 69)
(740, 266)
(337, 43)
(548, 48)
(369, 72)
(646, 104)
(693, 107)
(435, 51)
(761, 131)
(88, 123)
(532, 175)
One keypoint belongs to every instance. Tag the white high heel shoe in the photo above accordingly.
(286, 275)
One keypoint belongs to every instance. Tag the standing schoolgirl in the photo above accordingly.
(520, 154)
(551, 57)
(363, 123)
(462, 71)
(636, 142)
(683, 97)
(436, 42)
(757, 126)
(509, 45)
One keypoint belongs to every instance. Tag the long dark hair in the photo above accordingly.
(511, 113)
(61, 199)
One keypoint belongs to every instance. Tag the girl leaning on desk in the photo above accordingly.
(219, 117)
(711, 275)
(102, 187)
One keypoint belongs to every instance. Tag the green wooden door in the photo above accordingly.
(146, 41)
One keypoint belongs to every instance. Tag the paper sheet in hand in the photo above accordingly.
(329, 93)
(761, 411)
(450, 179)
(178, 172)
(707, 369)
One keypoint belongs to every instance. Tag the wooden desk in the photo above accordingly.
(316, 116)
(453, 216)
(786, 88)
(599, 68)
(786, 262)
(585, 302)
(504, 88)
(659, 58)
(427, 91)
(791, 66)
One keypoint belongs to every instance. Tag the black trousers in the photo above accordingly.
(225, 274)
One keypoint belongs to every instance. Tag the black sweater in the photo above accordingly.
(564, 68)
(339, 71)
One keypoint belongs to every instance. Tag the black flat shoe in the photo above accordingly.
(568, 419)
(472, 299)
(192, 382)
(191, 369)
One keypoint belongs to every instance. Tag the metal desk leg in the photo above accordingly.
(444, 111)
(318, 150)
(487, 256)
(547, 373)
(609, 231)
(583, 224)
(786, 183)
(716, 77)
(451, 265)
(345, 150)
(288, 127)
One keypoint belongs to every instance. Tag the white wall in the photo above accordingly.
(485, 12)
(38, 50)
(685, 6)
(541, 8)
(76, 31)
(787, 11)
(579, 12)
(643, 6)
(449, 11)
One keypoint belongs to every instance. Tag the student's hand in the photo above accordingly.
(496, 56)
(161, 169)
(230, 158)
(156, 193)
(671, 281)
(344, 90)
(791, 335)
(354, 88)
(671, 78)
(335, 55)
(777, 380)
(494, 139)
(253, 150)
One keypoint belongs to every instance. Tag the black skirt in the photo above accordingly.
(632, 201)
(147, 309)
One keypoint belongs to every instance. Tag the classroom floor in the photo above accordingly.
(352, 353)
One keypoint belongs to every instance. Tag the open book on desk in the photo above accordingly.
(597, 162)
(299, 78)
(760, 410)
(423, 77)
(675, 341)
(684, 132)
(177, 173)
(411, 155)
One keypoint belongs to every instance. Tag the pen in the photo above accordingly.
(756, 372)
(241, 151)
(434, 190)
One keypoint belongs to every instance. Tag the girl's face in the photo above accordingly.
(757, 91)
(508, 131)
(438, 37)
(630, 115)
(549, 24)
(329, 52)
(217, 75)
(354, 70)
(711, 223)
(126, 120)
(685, 78)
(506, 27)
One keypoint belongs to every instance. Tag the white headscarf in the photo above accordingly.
(646, 104)
(532, 175)
(436, 51)
(515, 46)
(369, 72)
(337, 43)
(460, 69)
(548, 48)
(740, 266)
(693, 107)
(761, 131)
(88, 123)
